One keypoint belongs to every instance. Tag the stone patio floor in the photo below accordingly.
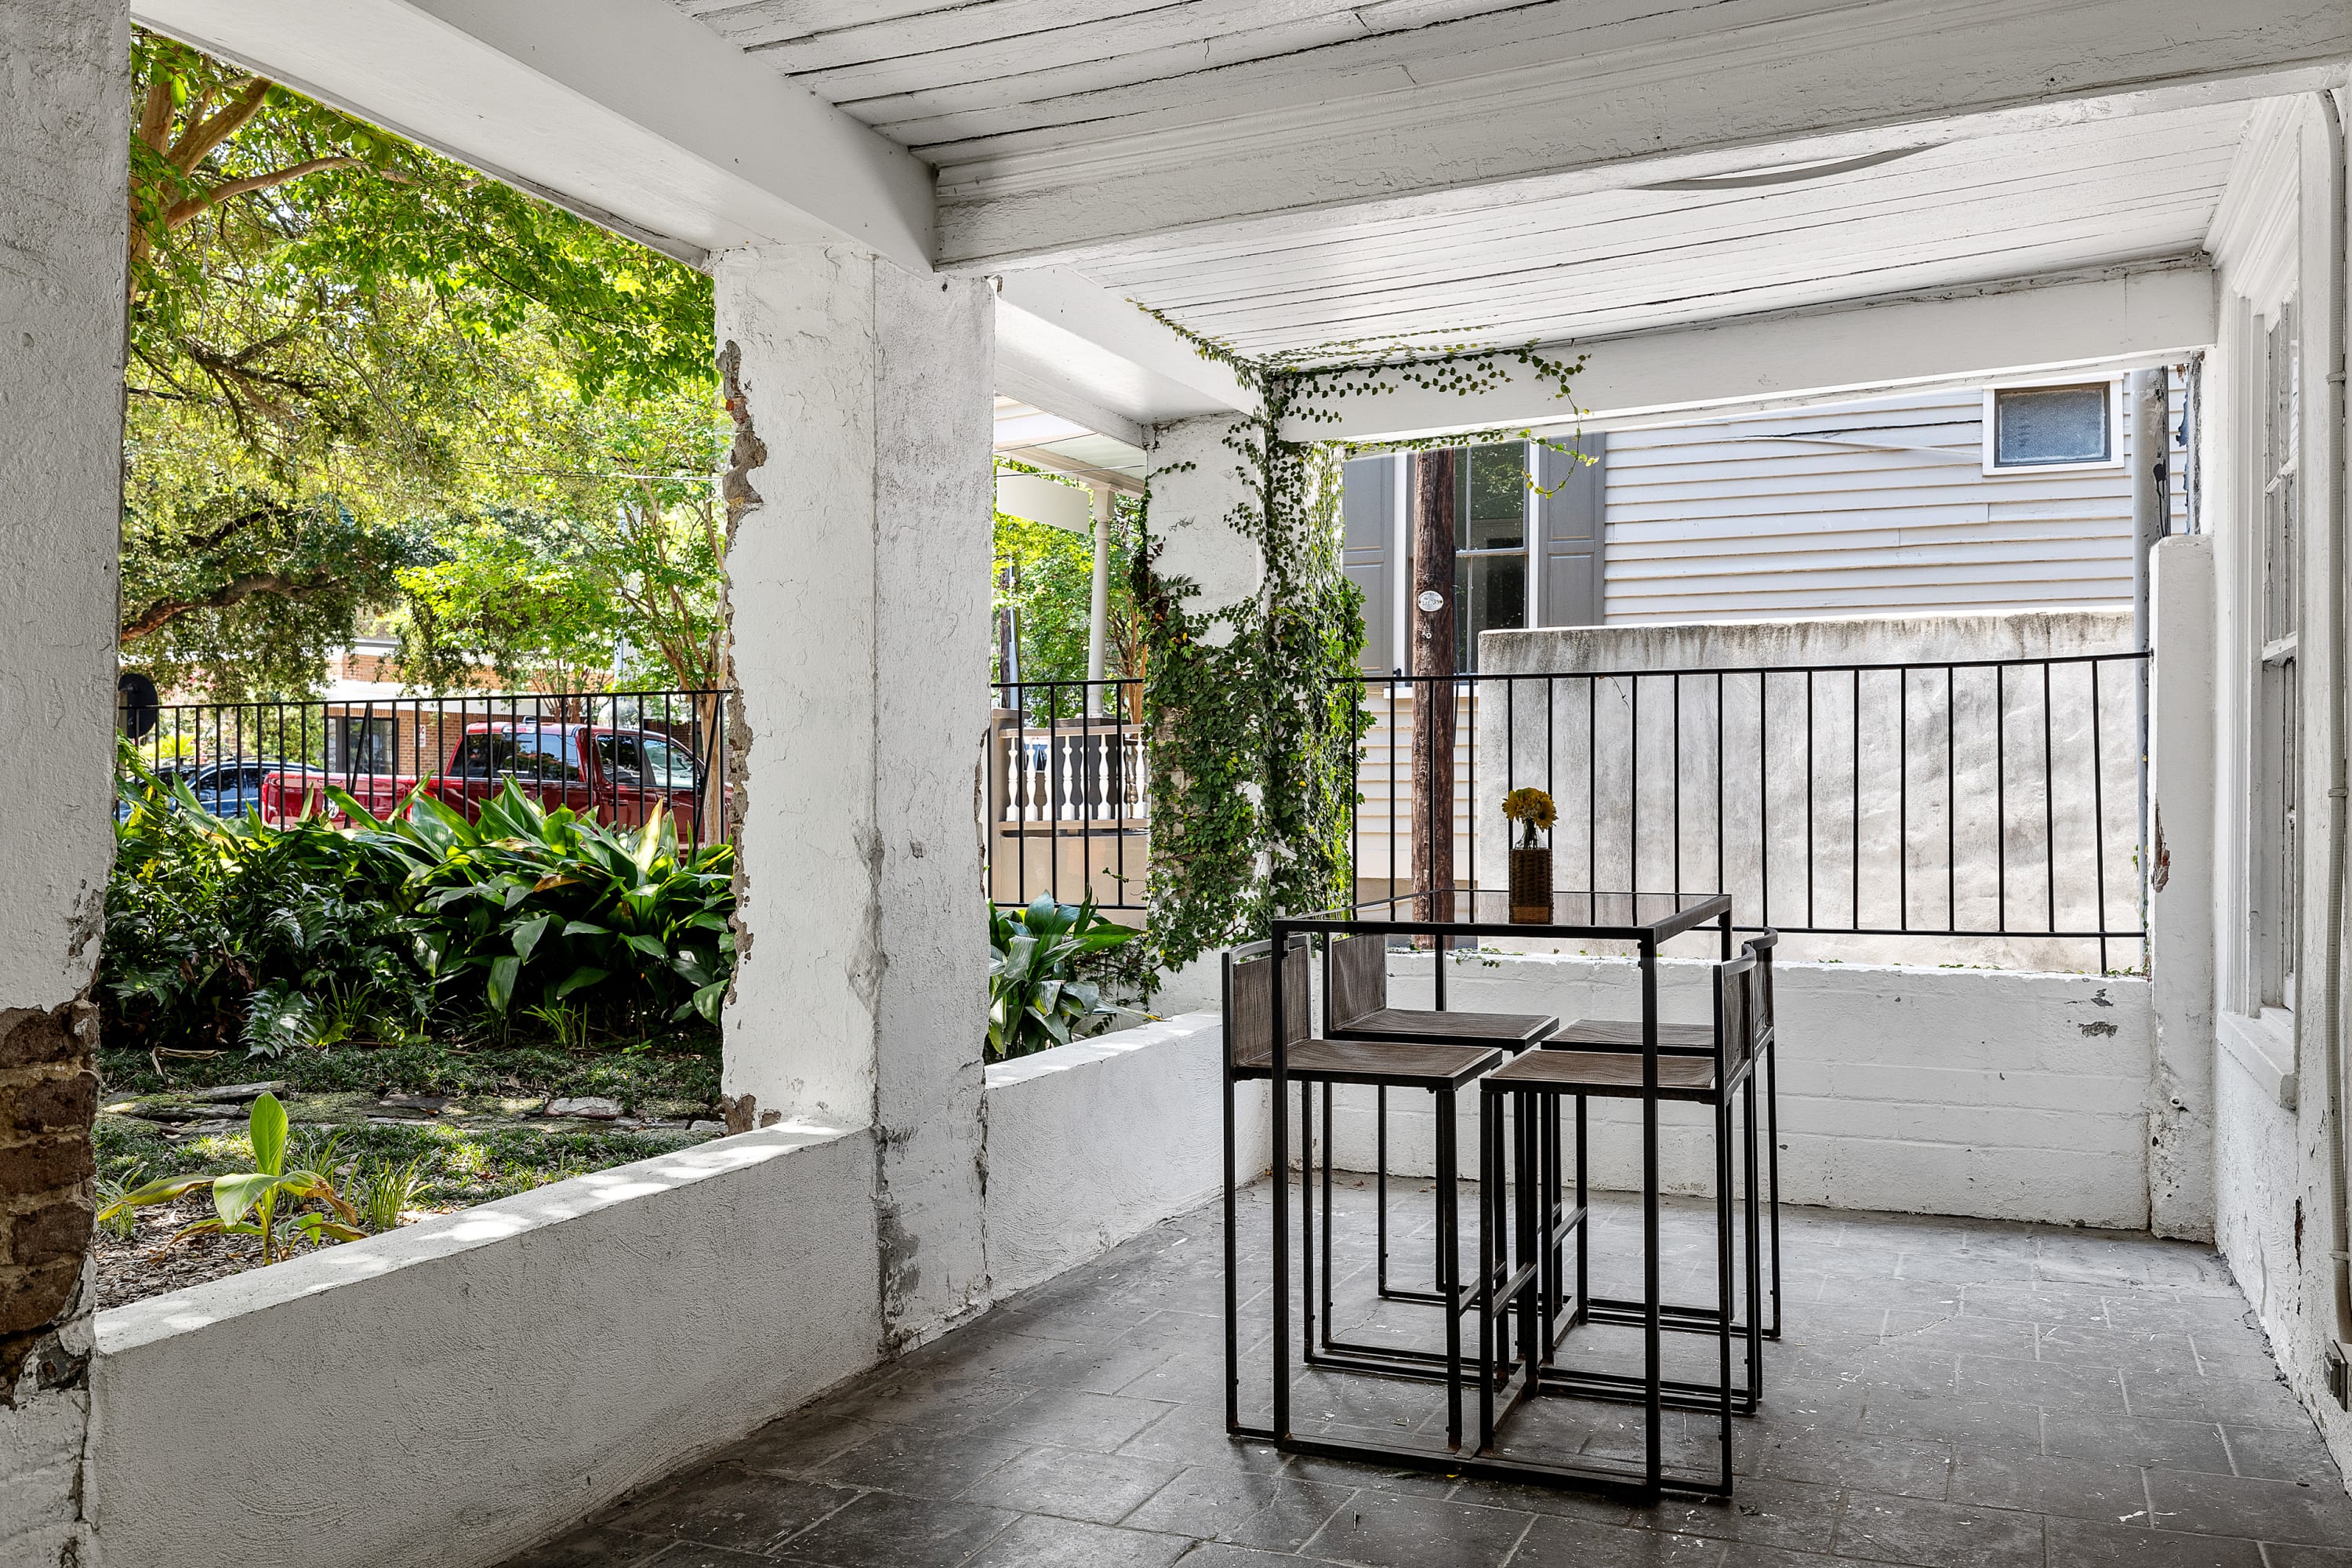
(1947, 1393)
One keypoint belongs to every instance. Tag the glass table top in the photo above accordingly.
(1658, 914)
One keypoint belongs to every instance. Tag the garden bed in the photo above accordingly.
(475, 1120)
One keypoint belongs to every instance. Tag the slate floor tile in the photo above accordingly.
(1937, 1534)
(2309, 1513)
(1039, 1542)
(2043, 1484)
(2280, 1454)
(2093, 1544)
(1274, 1512)
(731, 1507)
(2136, 1441)
(1556, 1543)
(881, 1531)
(1385, 1530)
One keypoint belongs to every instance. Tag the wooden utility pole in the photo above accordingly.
(1431, 653)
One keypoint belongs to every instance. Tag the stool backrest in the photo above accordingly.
(1735, 1014)
(1249, 1001)
(1762, 946)
(1355, 977)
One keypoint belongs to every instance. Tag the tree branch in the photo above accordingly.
(180, 212)
(161, 613)
(203, 135)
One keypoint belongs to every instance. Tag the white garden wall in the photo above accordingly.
(451, 1392)
(2007, 1095)
(1092, 1143)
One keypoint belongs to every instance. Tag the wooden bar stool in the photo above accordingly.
(1441, 1070)
(1356, 1007)
(1522, 1277)
(1687, 1039)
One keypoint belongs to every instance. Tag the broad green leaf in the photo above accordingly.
(503, 971)
(268, 1125)
(232, 1196)
(584, 975)
(526, 933)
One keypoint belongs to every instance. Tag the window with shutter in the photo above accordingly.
(1369, 505)
(1571, 517)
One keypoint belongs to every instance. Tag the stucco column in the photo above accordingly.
(64, 119)
(2181, 772)
(858, 487)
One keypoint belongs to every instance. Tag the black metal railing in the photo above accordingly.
(612, 755)
(1965, 798)
(1069, 811)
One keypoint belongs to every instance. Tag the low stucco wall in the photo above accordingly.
(451, 1392)
(2007, 1095)
(1092, 1143)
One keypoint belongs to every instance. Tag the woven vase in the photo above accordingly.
(1530, 887)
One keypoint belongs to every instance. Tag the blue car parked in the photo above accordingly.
(225, 788)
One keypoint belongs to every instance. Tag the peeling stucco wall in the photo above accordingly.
(64, 103)
(858, 592)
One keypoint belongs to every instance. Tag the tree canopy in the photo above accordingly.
(361, 374)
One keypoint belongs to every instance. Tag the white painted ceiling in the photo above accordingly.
(1980, 210)
(1050, 441)
(959, 82)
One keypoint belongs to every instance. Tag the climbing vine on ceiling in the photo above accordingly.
(1255, 709)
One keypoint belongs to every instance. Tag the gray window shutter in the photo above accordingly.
(1571, 535)
(1368, 499)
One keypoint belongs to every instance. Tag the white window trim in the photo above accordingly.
(2115, 458)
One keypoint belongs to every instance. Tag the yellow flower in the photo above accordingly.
(1532, 810)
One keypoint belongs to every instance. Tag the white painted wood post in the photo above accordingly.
(2179, 869)
(858, 592)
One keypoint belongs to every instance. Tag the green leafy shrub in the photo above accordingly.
(221, 928)
(1036, 999)
(524, 901)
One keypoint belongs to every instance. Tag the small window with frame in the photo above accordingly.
(2060, 427)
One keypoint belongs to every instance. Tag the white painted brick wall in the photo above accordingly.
(1924, 1090)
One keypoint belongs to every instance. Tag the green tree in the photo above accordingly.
(336, 337)
(1052, 591)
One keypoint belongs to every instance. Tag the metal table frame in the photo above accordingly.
(1604, 917)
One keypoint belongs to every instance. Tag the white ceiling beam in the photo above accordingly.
(1571, 106)
(626, 112)
(1854, 351)
(1074, 348)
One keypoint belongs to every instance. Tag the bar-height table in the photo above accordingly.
(1648, 921)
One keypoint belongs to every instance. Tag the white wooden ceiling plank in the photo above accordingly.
(861, 69)
(2130, 215)
(834, 37)
(969, 124)
(1526, 319)
(1556, 238)
(2208, 136)
(2136, 212)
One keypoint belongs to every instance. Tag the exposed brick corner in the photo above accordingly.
(48, 1099)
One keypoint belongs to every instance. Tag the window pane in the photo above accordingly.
(2050, 424)
(1490, 593)
(1491, 507)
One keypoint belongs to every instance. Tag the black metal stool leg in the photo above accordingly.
(1449, 1253)
(1772, 1158)
(1754, 1261)
(1724, 1234)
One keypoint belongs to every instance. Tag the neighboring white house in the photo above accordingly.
(1997, 497)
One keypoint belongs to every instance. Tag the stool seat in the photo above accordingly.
(1387, 1063)
(1625, 1035)
(1515, 1031)
(1606, 1075)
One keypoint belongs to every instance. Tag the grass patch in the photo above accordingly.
(458, 1166)
(678, 1070)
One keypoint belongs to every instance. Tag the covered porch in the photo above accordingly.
(928, 1311)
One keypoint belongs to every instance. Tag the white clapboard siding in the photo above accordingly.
(1384, 784)
(1733, 520)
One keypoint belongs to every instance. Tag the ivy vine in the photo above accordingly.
(1254, 733)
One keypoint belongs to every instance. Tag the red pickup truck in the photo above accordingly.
(615, 775)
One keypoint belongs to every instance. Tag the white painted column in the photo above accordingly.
(1099, 602)
(1196, 482)
(64, 121)
(2180, 887)
(859, 591)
